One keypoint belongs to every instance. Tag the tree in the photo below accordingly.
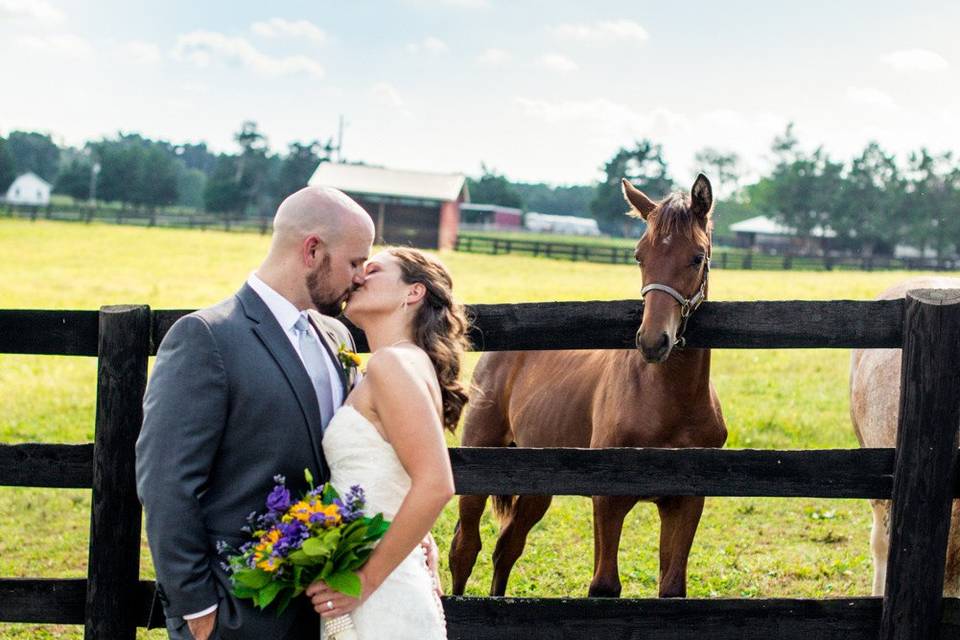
(930, 202)
(34, 152)
(867, 210)
(222, 193)
(559, 200)
(73, 179)
(645, 168)
(802, 189)
(190, 186)
(8, 170)
(298, 165)
(723, 168)
(196, 156)
(493, 188)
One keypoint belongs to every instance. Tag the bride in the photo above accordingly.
(388, 438)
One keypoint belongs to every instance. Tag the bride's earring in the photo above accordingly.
(403, 305)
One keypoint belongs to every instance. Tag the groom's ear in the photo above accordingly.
(313, 250)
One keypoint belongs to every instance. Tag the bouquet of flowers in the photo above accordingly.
(321, 536)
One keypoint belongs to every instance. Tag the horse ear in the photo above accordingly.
(701, 197)
(640, 204)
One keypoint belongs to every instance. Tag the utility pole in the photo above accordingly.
(340, 140)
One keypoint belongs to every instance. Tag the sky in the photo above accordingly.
(542, 92)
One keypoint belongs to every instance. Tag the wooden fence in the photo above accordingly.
(142, 217)
(920, 475)
(723, 258)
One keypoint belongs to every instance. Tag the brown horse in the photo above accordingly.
(607, 398)
(874, 409)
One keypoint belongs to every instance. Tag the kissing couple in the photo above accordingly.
(253, 387)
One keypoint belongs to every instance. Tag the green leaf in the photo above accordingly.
(316, 548)
(329, 494)
(308, 477)
(345, 582)
(252, 578)
(284, 600)
(268, 593)
(299, 558)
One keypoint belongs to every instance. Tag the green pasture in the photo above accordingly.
(772, 399)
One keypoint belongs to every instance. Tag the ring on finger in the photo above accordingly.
(330, 605)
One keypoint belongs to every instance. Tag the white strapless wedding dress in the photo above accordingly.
(405, 606)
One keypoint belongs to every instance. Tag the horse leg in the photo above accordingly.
(608, 515)
(880, 543)
(679, 517)
(484, 426)
(951, 574)
(525, 512)
(466, 541)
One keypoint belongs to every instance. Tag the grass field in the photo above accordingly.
(771, 399)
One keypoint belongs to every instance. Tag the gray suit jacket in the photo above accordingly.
(228, 405)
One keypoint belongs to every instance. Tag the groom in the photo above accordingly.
(239, 392)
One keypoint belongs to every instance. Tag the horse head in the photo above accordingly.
(674, 259)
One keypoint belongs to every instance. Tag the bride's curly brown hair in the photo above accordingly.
(440, 326)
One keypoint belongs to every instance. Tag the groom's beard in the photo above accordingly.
(327, 302)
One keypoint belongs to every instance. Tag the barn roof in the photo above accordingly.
(380, 181)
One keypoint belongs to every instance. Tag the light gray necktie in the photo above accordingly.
(314, 360)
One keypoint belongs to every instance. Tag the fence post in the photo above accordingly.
(113, 566)
(923, 477)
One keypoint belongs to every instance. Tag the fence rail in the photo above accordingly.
(921, 477)
(723, 258)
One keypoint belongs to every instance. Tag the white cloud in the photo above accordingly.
(557, 62)
(387, 94)
(282, 28)
(493, 57)
(57, 44)
(916, 60)
(871, 97)
(30, 9)
(140, 51)
(604, 30)
(430, 44)
(203, 48)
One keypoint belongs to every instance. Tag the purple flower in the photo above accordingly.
(292, 535)
(351, 508)
(279, 499)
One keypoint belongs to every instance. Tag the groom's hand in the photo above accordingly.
(201, 628)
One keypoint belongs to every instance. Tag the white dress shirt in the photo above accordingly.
(287, 315)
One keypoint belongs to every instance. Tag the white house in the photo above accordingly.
(29, 189)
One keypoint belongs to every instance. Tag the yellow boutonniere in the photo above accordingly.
(348, 359)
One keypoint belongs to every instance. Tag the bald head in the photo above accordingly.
(321, 211)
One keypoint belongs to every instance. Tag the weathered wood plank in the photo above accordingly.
(114, 558)
(61, 601)
(856, 473)
(926, 465)
(613, 325)
(59, 466)
(40, 332)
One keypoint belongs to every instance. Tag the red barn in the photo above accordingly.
(414, 208)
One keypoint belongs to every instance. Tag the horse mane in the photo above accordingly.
(674, 216)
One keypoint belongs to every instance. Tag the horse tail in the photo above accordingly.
(503, 505)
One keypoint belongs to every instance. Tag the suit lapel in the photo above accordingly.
(275, 340)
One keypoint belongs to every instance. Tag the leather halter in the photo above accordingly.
(687, 305)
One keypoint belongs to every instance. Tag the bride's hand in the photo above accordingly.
(330, 604)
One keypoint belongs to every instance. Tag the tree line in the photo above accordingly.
(872, 201)
(136, 171)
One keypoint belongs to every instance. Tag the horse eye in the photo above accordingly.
(697, 260)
